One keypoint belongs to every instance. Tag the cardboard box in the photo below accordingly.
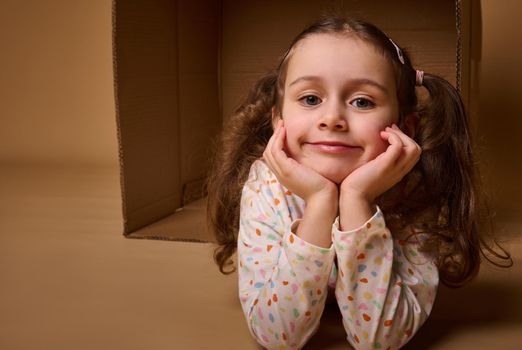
(181, 67)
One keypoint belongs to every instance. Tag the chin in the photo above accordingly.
(337, 176)
(336, 179)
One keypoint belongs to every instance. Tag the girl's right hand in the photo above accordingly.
(299, 179)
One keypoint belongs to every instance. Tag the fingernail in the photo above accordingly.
(395, 127)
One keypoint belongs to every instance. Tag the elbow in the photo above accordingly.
(393, 333)
(269, 336)
(273, 333)
(370, 341)
(392, 330)
(273, 342)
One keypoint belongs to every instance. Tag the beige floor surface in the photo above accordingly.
(70, 280)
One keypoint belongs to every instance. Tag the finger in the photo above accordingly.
(411, 148)
(277, 131)
(277, 155)
(408, 142)
(411, 153)
(279, 139)
(394, 150)
(387, 160)
(268, 152)
(286, 164)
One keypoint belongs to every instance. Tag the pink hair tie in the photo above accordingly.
(419, 76)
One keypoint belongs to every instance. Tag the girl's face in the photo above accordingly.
(339, 94)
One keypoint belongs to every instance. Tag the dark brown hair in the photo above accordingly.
(440, 196)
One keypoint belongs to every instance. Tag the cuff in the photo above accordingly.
(375, 223)
(313, 264)
(300, 246)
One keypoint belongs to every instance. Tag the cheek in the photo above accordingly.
(293, 132)
(375, 143)
(381, 145)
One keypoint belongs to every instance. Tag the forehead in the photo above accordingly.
(338, 56)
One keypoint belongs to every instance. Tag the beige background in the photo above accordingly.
(69, 280)
(57, 99)
(56, 90)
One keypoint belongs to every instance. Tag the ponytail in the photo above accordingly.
(450, 179)
(243, 140)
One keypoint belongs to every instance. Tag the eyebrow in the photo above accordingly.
(359, 81)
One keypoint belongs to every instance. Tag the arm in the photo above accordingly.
(282, 278)
(383, 297)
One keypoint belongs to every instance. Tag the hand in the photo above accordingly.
(319, 193)
(380, 174)
(299, 179)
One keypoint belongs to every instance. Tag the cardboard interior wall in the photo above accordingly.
(182, 67)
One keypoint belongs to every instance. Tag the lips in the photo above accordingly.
(332, 147)
(330, 143)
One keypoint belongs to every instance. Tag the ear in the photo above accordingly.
(411, 122)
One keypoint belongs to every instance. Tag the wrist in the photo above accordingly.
(322, 208)
(354, 197)
(319, 214)
(354, 210)
(325, 202)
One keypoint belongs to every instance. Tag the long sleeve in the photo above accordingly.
(385, 287)
(282, 279)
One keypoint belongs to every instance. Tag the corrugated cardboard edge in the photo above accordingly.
(469, 51)
(167, 238)
(118, 125)
(121, 157)
(458, 26)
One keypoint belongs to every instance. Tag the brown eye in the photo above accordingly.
(310, 100)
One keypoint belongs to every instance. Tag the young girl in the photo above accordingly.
(320, 175)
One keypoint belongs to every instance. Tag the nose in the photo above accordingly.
(334, 117)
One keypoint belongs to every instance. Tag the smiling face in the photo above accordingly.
(339, 93)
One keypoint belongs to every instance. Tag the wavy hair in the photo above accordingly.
(440, 196)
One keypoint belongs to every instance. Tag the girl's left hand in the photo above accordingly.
(380, 174)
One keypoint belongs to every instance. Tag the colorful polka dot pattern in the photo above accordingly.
(283, 280)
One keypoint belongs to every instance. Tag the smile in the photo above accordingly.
(331, 147)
